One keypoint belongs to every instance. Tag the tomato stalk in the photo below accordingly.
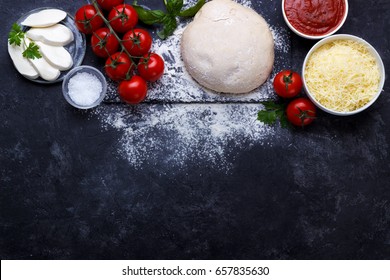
(87, 21)
(305, 114)
(115, 63)
(145, 60)
(135, 39)
(287, 80)
(121, 15)
(112, 31)
(102, 43)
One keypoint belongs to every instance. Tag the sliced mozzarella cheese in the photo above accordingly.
(21, 63)
(45, 70)
(44, 18)
(56, 35)
(57, 56)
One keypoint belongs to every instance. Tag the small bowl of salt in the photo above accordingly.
(84, 87)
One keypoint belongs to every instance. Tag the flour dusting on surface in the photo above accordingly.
(179, 134)
(280, 39)
(182, 123)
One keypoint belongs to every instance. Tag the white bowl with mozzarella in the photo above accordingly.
(60, 43)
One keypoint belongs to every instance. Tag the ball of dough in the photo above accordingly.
(228, 47)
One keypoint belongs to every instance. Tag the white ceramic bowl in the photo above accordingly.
(370, 49)
(311, 36)
(90, 70)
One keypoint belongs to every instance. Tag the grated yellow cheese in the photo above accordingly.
(342, 75)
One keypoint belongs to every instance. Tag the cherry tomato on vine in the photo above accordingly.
(109, 4)
(301, 112)
(87, 19)
(137, 42)
(104, 43)
(123, 18)
(287, 84)
(151, 67)
(133, 91)
(118, 66)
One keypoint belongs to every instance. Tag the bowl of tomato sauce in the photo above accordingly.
(315, 19)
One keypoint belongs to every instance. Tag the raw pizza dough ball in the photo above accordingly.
(228, 47)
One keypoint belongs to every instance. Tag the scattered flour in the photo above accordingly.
(182, 123)
(181, 134)
(280, 39)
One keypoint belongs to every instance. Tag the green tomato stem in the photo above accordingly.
(112, 31)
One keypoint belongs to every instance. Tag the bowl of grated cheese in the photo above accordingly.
(343, 74)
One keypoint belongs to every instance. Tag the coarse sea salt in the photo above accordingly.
(84, 89)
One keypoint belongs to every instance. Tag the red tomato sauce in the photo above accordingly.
(315, 17)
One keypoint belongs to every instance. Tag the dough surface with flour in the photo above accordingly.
(228, 48)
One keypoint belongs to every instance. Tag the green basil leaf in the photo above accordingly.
(166, 19)
(174, 6)
(190, 12)
(149, 17)
(169, 26)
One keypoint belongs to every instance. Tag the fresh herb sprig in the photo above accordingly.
(17, 37)
(272, 112)
(167, 19)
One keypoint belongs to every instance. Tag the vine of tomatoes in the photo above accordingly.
(127, 49)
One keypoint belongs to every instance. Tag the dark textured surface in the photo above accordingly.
(322, 193)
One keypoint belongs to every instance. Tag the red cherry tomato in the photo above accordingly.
(301, 112)
(133, 91)
(109, 4)
(87, 19)
(287, 84)
(118, 66)
(151, 67)
(137, 42)
(104, 43)
(123, 18)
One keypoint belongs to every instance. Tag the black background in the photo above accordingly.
(321, 193)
